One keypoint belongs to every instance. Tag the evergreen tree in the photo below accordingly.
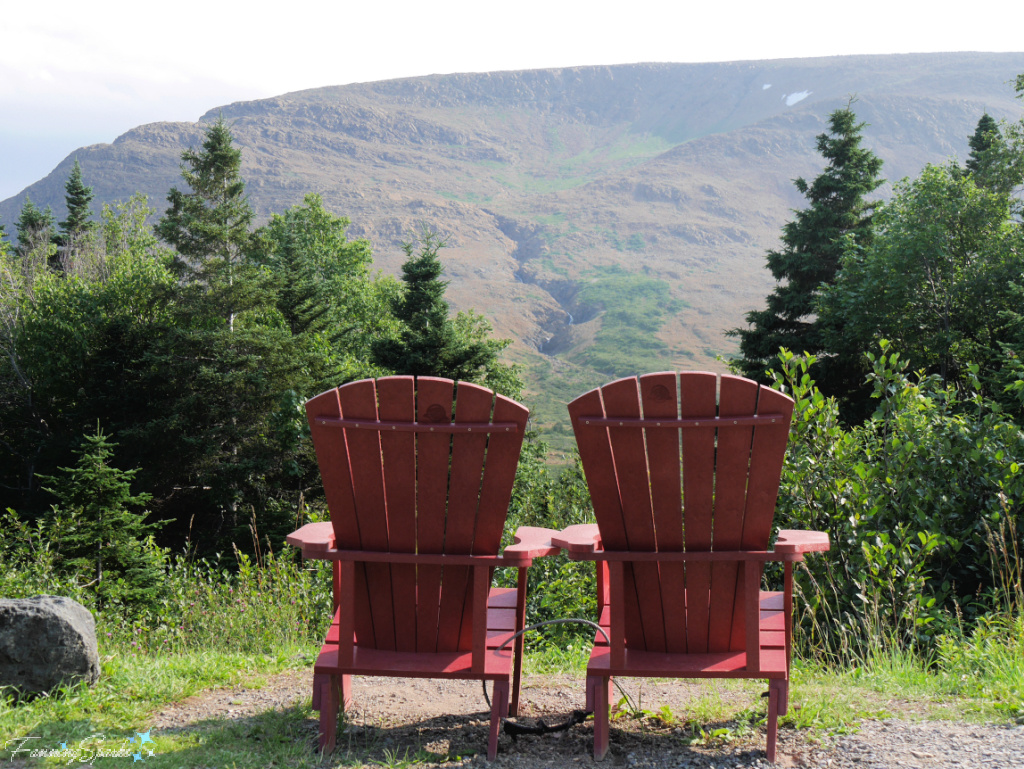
(994, 162)
(431, 343)
(35, 227)
(104, 538)
(227, 361)
(985, 136)
(209, 227)
(813, 245)
(78, 198)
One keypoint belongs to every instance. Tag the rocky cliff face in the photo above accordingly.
(544, 181)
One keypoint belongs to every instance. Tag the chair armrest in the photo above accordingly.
(531, 542)
(313, 538)
(581, 538)
(790, 541)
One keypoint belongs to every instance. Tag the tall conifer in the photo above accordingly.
(813, 244)
(78, 198)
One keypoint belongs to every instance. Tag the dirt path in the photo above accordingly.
(445, 721)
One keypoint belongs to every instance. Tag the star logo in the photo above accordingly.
(144, 737)
(63, 746)
(136, 757)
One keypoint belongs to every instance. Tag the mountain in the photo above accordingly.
(606, 218)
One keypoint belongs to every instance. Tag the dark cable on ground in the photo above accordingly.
(514, 729)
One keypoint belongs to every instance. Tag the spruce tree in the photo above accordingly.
(34, 227)
(431, 343)
(78, 198)
(985, 136)
(209, 226)
(813, 245)
(104, 538)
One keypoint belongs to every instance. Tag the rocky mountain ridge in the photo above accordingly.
(613, 181)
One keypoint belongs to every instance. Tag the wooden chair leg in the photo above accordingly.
(783, 697)
(326, 700)
(774, 696)
(599, 689)
(499, 710)
(517, 662)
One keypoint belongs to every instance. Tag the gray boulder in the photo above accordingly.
(45, 641)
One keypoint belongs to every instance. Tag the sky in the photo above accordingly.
(75, 73)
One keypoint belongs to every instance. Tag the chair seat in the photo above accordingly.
(374, 662)
(704, 665)
(501, 619)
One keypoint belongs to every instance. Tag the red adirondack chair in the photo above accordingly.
(418, 504)
(684, 481)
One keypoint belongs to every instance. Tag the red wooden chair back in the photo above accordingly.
(675, 463)
(401, 476)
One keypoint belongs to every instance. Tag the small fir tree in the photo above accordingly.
(431, 343)
(78, 198)
(35, 227)
(108, 542)
(813, 245)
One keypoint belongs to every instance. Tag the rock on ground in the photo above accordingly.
(45, 641)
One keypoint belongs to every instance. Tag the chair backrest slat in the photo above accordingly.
(359, 401)
(723, 498)
(396, 398)
(622, 399)
(660, 399)
(472, 404)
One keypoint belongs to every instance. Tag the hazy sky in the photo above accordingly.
(77, 73)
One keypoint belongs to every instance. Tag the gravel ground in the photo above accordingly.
(449, 718)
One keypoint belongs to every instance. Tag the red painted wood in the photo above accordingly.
(416, 515)
(496, 488)
(645, 629)
(736, 397)
(768, 450)
(599, 469)
(750, 573)
(396, 401)
(602, 481)
(499, 710)
(697, 393)
(454, 665)
(645, 664)
(660, 400)
(359, 400)
(333, 458)
(802, 542)
(517, 665)
(478, 620)
(599, 690)
(472, 404)
(433, 451)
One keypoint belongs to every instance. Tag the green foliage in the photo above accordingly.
(429, 342)
(813, 245)
(633, 308)
(558, 587)
(105, 541)
(938, 280)
(909, 500)
(331, 303)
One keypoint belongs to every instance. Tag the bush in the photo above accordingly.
(910, 500)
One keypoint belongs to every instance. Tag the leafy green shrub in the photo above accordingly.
(910, 500)
(557, 588)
